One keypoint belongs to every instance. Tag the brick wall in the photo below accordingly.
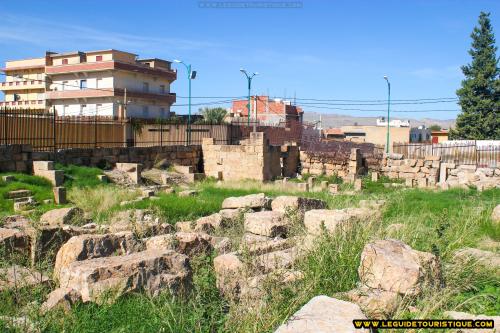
(253, 158)
(15, 158)
(317, 163)
(424, 172)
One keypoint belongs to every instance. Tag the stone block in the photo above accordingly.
(375, 176)
(43, 165)
(60, 195)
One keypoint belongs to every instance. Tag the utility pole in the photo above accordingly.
(125, 103)
(388, 112)
(249, 79)
(190, 75)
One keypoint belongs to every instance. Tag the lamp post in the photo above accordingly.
(388, 111)
(190, 75)
(249, 79)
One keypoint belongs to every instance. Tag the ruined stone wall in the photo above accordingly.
(20, 157)
(422, 172)
(321, 164)
(253, 158)
(15, 158)
(431, 172)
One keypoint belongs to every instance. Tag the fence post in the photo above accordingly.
(161, 132)
(95, 130)
(54, 122)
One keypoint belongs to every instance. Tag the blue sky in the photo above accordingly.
(324, 49)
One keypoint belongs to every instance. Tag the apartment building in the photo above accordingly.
(25, 84)
(269, 111)
(105, 83)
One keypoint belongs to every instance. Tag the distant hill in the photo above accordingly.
(337, 120)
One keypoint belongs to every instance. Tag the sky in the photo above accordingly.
(328, 50)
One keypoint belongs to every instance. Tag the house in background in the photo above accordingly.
(439, 136)
(269, 111)
(105, 83)
(333, 134)
(420, 134)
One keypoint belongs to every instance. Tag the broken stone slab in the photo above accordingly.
(248, 239)
(18, 194)
(323, 314)
(104, 279)
(332, 220)
(8, 178)
(19, 277)
(16, 222)
(375, 303)
(391, 265)
(229, 269)
(24, 204)
(142, 222)
(231, 214)
(61, 298)
(267, 223)
(266, 246)
(185, 226)
(209, 223)
(132, 170)
(60, 216)
(271, 261)
(253, 201)
(13, 241)
(254, 288)
(103, 178)
(288, 203)
(485, 258)
(85, 247)
(46, 241)
(43, 165)
(192, 243)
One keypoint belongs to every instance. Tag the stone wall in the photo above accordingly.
(322, 164)
(422, 172)
(15, 158)
(453, 175)
(253, 158)
(20, 157)
(431, 172)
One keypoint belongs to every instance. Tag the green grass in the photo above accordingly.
(434, 221)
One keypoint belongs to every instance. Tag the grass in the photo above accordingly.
(434, 221)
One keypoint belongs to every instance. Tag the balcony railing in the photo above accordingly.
(40, 103)
(21, 84)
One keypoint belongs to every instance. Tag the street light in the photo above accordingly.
(190, 75)
(388, 111)
(249, 79)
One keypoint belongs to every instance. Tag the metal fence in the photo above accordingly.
(48, 132)
(470, 152)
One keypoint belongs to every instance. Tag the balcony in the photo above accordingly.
(22, 85)
(100, 66)
(169, 98)
(35, 104)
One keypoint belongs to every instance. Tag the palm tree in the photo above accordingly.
(213, 115)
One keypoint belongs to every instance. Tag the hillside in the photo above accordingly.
(337, 120)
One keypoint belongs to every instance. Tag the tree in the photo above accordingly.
(479, 96)
(213, 115)
(435, 127)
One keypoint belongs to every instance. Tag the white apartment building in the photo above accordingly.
(107, 83)
(393, 123)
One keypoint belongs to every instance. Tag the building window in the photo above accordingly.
(98, 58)
(63, 86)
(83, 110)
(83, 84)
(145, 87)
(145, 111)
(162, 89)
(64, 108)
(40, 96)
(98, 108)
(98, 83)
(65, 61)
